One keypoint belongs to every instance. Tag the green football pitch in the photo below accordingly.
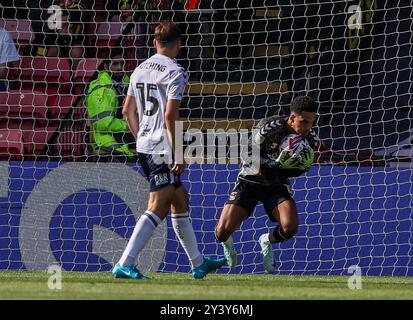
(100, 285)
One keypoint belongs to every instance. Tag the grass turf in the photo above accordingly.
(100, 285)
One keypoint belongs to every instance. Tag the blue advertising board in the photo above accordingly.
(80, 215)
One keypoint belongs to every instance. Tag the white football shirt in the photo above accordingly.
(152, 83)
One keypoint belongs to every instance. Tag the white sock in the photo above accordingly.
(186, 235)
(141, 234)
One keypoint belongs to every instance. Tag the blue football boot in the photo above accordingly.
(208, 266)
(127, 272)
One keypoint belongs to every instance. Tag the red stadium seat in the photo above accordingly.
(17, 105)
(21, 31)
(61, 107)
(50, 75)
(108, 33)
(52, 72)
(35, 138)
(86, 69)
(11, 144)
(84, 73)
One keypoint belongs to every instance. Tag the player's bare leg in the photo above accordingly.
(286, 214)
(160, 201)
(180, 200)
(184, 231)
(231, 218)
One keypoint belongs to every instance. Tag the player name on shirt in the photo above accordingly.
(152, 66)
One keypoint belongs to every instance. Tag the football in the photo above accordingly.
(294, 144)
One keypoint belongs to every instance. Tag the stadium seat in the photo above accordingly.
(50, 77)
(35, 137)
(71, 141)
(38, 138)
(15, 105)
(61, 107)
(52, 72)
(109, 33)
(11, 144)
(85, 71)
(21, 31)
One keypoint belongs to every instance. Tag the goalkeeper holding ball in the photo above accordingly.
(268, 184)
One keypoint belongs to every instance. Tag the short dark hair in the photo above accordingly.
(167, 32)
(113, 52)
(301, 104)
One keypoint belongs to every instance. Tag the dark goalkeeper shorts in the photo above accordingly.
(247, 195)
(159, 175)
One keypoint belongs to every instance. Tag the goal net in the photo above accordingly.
(65, 199)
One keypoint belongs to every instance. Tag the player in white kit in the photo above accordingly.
(151, 109)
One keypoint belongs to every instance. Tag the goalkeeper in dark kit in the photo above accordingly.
(285, 147)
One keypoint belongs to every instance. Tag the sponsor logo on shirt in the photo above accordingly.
(161, 179)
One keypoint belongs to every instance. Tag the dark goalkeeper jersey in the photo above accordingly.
(267, 136)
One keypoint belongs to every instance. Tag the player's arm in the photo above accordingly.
(171, 116)
(265, 128)
(263, 135)
(175, 94)
(130, 114)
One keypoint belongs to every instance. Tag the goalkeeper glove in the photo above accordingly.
(307, 158)
(302, 161)
(286, 162)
